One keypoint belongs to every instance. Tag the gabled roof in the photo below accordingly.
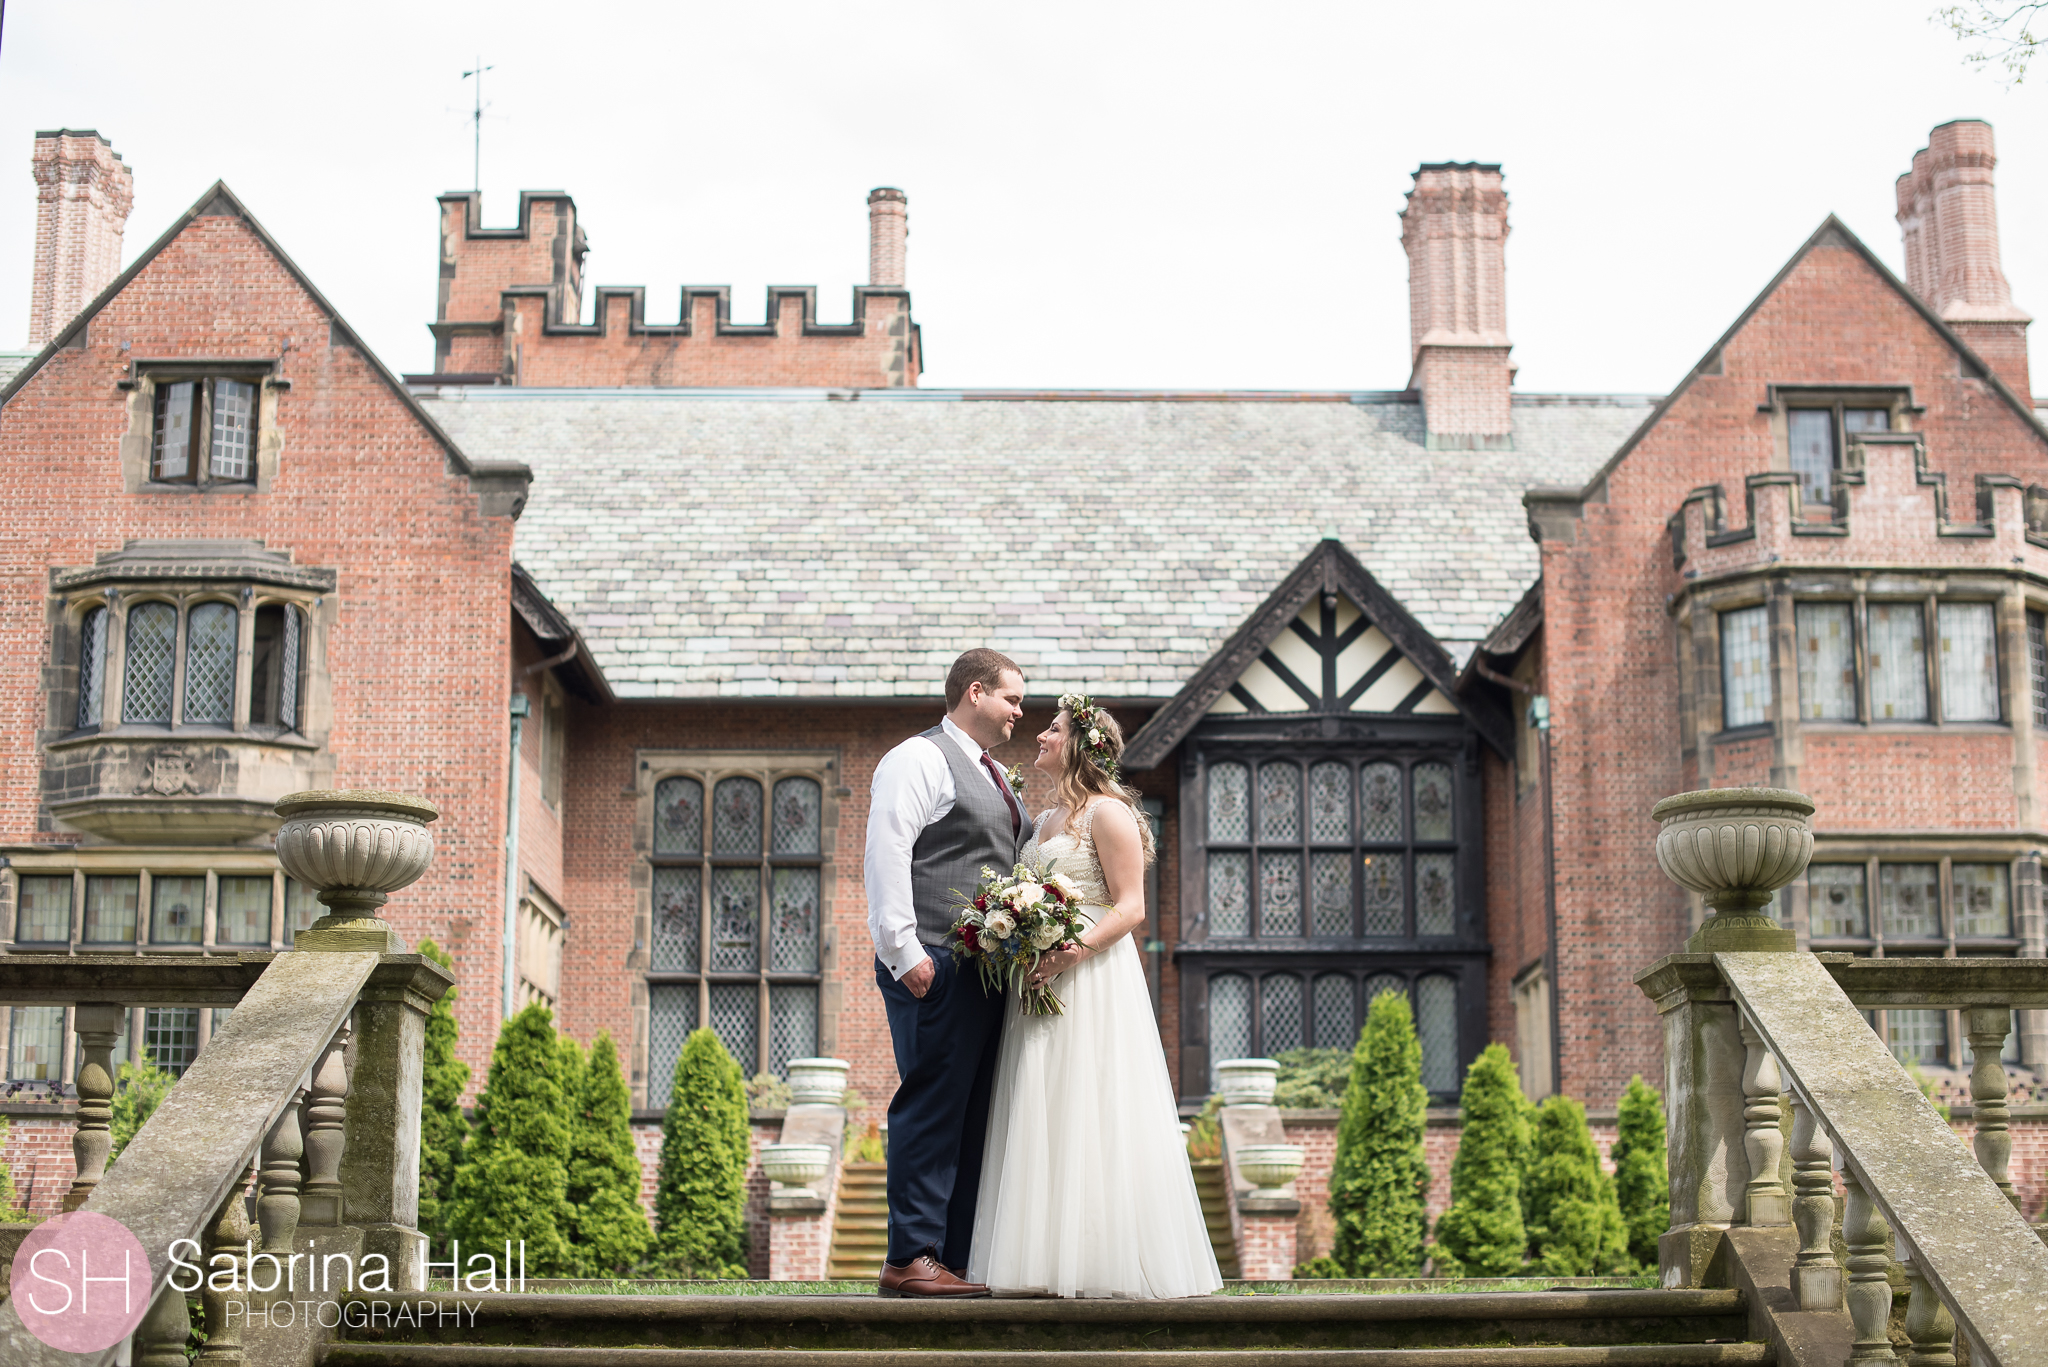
(1275, 644)
(219, 201)
(849, 543)
(556, 633)
(1831, 233)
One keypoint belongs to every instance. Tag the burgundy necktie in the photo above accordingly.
(1016, 812)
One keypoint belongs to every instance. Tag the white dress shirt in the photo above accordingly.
(913, 787)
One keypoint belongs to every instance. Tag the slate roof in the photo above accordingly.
(11, 363)
(787, 543)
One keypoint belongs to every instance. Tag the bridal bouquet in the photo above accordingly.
(1010, 921)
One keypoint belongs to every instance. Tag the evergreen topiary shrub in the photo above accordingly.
(139, 1088)
(1642, 1184)
(443, 1127)
(1379, 1180)
(700, 1198)
(1323, 1269)
(513, 1179)
(611, 1234)
(1311, 1079)
(1575, 1227)
(1481, 1235)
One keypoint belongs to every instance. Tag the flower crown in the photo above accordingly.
(1088, 720)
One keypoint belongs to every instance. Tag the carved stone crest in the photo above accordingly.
(167, 771)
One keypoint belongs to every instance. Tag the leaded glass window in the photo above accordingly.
(1330, 895)
(177, 910)
(1279, 803)
(1280, 1013)
(2037, 665)
(1836, 907)
(1810, 433)
(1385, 895)
(1380, 785)
(302, 907)
(1436, 1028)
(1745, 668)
(1918, 1037)
(111, 903)
(1827, 661)
(277, 649)
(1909, 900)
(1230, 893)
(1329, 804)
(1280, 893)
(1380, 983)
(1969, 662)
(737, 906)
(243, 917)
(1336, 1011)
(92, 667)
(234, 424)
(1432, 802)
(1230, 1020)
(152, 654)
(1898, 662)
(43, 910)
(204, 425)
(1435, 903)
(1982, 906)
(1229, 802)
(210, 631)
(171, 1034)
(35, 1044)
(671, 1016)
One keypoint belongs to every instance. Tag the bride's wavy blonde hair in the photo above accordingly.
(1080, 778)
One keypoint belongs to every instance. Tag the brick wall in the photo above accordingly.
(83, 193)
(38, 1155)
(418, 642)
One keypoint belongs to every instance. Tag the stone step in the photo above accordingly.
(1627, 1355)
(1658, 1321)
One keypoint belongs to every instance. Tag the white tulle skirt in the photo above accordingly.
(1085, 1185)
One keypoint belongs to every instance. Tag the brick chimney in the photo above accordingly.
(888, 235)
(83, 193)
(1949, 215)
(1455, 230)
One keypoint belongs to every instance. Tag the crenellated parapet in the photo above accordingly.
(1890, 508)
(511, 307)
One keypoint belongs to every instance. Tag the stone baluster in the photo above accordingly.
(1816, 1276)
(277, 1209)
(326, 1109)
(1987, 1027)
(1928, 1322)
(161, 1337)
(227, 1239)
(98, 1026)
(1869, 1293)
(1763, 1143)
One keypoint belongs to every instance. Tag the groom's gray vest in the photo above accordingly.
(949, 855)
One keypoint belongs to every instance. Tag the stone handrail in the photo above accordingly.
(1966, 1239)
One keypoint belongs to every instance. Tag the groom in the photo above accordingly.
(941, 811)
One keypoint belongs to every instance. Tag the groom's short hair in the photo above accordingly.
(978, 666)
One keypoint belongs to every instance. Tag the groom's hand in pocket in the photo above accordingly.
(919, 979)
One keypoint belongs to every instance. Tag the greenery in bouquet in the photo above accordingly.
(1010, 922)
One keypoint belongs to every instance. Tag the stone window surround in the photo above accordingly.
(138, 442)
(245, 597)
(708, 766)
(542, 928)
(1781, 399)
(2020, 855)
(1779, 589)
(145, 866)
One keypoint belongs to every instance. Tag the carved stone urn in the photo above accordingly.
(1735, 847)
(1269, 1167)
(794, 1167)
(355, 848)
(1247, 1081)
(817, 1081)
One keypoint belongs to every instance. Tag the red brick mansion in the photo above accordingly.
(639, 606)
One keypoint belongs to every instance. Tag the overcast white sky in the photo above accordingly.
(1105, 194)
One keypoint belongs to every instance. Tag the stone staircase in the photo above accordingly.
(1214, 1188)
(860, 1235)
(1620, 1328)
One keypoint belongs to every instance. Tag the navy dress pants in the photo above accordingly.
(946, 1044)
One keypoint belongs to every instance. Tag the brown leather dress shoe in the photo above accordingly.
(924, 1277)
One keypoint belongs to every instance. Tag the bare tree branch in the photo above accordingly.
(2003, 32)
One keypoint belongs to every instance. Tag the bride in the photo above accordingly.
(1085, 1185)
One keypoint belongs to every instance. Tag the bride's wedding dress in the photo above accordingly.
(1085, 1185)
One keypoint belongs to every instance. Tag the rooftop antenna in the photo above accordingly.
(476, 118)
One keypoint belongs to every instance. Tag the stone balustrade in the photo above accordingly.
(310, 1091)
(1753, 1027)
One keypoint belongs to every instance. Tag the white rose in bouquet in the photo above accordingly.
(1000, 924)
(1024, 894)
(1065, 885)
(1046, 936)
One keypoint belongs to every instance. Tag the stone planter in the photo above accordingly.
(1268, 1167)
(355, 848)
(1247, 1081)
(817, 1081)
(1735, 847)
(793, 1167)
